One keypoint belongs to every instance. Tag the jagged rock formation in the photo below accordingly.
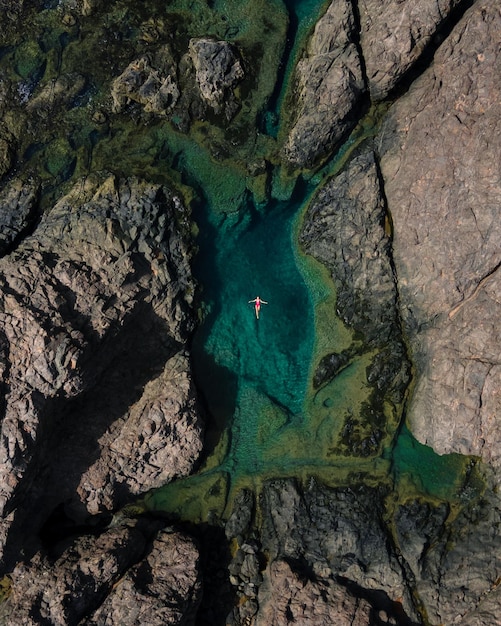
(348, 553)
(97, 398)
(328, 88)
(95, 303)
(394, 35)
(142, 584)
(164, 82)
(440, 151)
(17, 202)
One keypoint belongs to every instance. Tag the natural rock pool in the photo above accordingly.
(271, 148)
(266, 418)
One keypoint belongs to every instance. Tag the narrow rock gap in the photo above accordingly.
(272, 106)
(397, 303)
(358, 44)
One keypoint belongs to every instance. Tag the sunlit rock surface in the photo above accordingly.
(328, 88)
(440, 150)
(95, 303)
(315, 503)
(395, 34)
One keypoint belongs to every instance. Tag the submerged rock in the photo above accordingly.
(328, 88)
(440, 152)
(56, 92)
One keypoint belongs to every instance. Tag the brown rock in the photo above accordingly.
(440, 162)
(109, 579)
(328, 88)
(287, 597)
(395, 34)
(164, 588)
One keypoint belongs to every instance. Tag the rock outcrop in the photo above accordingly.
(328, 89)
(95, 304)
(395, 34)
(344, 228)
(139, 584)
(440, 151)
(17, 212)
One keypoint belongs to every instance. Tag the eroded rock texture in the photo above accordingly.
(160, 588)
(95, 304)
(394, 36)
(328, 90)
(440, 159)
(344, 228)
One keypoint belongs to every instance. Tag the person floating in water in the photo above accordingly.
(257, 305)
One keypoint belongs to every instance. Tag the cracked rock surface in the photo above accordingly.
(440, 154)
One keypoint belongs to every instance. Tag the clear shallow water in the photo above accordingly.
(250, 370)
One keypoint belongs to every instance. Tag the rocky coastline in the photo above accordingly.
(392, 116)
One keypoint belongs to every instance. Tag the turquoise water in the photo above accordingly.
(248, 368)
(303, 15)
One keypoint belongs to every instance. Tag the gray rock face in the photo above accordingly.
(17, 209)
(344, 539)
(394, 34)
(164, 588)
(344, 228)
(94, 304)
(218, 71)
(153, 86)
(328, 88)
(161, 588)
(440, 153)
(57, 91)
(205, 76)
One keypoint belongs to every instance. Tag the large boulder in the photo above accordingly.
(440, 154)
(218, 70)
